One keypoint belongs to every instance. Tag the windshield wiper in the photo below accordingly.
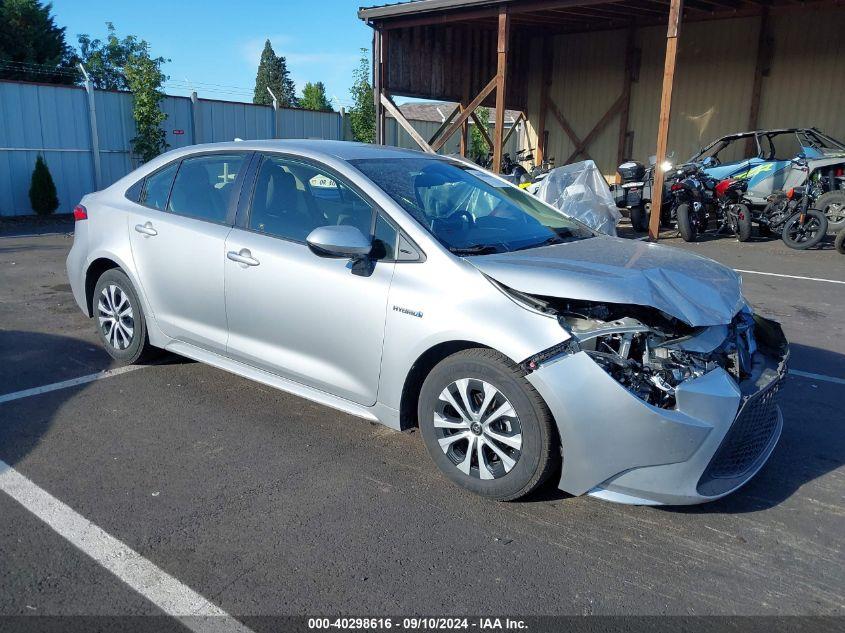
(473, 249)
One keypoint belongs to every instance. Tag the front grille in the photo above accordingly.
(744, 443)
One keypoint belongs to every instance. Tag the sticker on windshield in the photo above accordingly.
(488, 178)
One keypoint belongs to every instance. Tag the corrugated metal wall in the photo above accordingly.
(54, 121)
(713, 83)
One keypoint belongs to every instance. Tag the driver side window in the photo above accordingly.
(291, 199)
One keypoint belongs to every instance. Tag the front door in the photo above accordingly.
(291, 312)
(178, 232)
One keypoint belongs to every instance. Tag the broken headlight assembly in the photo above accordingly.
(645, 350)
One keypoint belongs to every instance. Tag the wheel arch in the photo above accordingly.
(94, 271)
(418, 372)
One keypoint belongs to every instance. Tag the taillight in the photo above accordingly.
(790, 193)
(80, 213)
(676, 187)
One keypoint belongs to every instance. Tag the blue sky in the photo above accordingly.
(215, 45)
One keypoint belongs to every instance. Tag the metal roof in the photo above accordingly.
(419, 6)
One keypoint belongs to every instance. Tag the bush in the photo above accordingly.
(42, 189)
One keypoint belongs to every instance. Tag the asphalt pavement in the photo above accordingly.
(263, 503)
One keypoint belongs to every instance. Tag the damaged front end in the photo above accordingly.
(689, 415)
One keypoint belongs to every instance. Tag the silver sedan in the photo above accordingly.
(413, 289)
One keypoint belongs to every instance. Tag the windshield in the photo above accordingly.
(469, 211)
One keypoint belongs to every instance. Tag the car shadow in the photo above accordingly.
(29, 360)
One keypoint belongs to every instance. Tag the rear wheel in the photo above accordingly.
(832, 204)
(639, 218)
(741, 221)
(120, 318)
(687, 224)
(840, 241)
(803, 236)
(485, 427)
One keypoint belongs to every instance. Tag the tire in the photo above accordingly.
(125, 339)
(742, 217)
(532, 452)
(800, 240)
(840, 241)
(639, 218)
(686, 224)
(832, 204)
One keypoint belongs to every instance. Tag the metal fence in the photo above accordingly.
(84, 135)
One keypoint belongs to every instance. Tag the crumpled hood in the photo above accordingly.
(684, 285)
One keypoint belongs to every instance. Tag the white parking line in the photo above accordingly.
(807, 374)
(163, 590)
(757, 272)
(73, 382)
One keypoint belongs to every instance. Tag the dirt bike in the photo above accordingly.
(790, 215)
(733, 207)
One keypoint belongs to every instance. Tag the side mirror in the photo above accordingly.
(339, 241)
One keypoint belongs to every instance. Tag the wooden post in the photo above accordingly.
(545, 84)
(675, 9)
(463, 116)
(626, 93)
(501, 72)
(464, 101)
(378, 85)
(760, 70)
(391, 107)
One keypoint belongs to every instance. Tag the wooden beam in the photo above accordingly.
(501, 86)
(545, 83)
(760, 70)
(467, 77)
(446, 122)
(672, 35)
(513, 128)
(567, 128)
(630, 52)
(394, 110)
(481, 96)
(482, 129)
(598, 127)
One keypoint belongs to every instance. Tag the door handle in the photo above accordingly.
(147, 229)
(243, 257)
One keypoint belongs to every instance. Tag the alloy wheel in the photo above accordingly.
(116, 317)
(478, 429)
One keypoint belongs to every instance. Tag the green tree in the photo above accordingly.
(32, 47)
(314, 97)
(478, 147)
(144, 79)
(273, 73)
(106, 60)
(42, 189)
(362, 115)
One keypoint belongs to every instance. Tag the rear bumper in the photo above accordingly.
(75, 266)
(619, 448)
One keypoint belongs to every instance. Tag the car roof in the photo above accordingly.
(344, 150)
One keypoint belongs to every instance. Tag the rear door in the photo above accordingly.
(178, 233)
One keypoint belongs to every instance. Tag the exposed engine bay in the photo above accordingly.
(647, 351)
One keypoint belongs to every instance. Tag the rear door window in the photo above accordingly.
(205, 185)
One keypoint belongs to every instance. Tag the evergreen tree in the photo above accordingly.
(42, 189)
(314, 97)
(32, 47)
(362, 116)
(273, 73)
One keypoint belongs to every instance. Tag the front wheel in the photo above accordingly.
(803, 236)
(485, 427)
(687, 224)
(120, 318)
